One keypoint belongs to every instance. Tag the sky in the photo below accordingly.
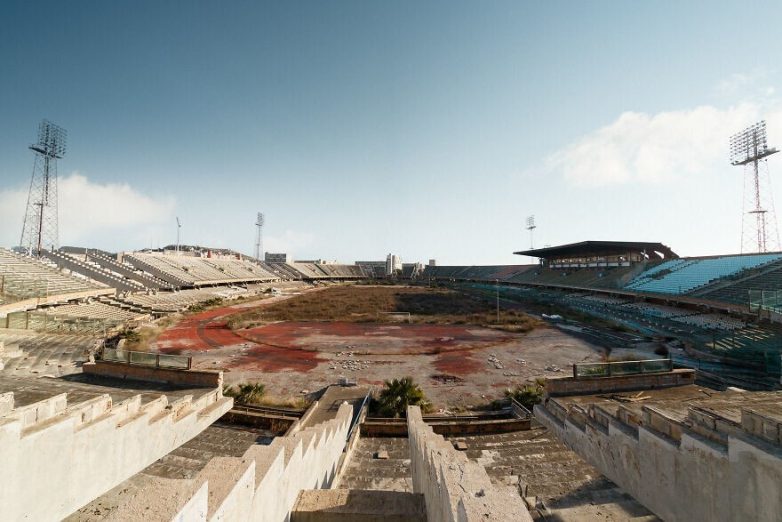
(424, 128)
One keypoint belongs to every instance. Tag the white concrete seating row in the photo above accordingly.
(23, 277)
(176, 301)
(197, 270)
(93, 310)
(327, 271)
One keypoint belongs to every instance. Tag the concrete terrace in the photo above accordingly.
(180, 468)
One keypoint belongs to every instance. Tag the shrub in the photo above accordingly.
(528, 394)
(247, 393)
(397, 395)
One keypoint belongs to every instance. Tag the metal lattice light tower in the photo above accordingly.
(531, 227)
(749, 149)
(178, 228)
(40, 227)
(259, 237)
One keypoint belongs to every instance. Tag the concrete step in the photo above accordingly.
(355, 505)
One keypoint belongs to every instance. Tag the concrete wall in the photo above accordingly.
(455, 488)
(682, 471)
(56, 458)
(263, 484)
(120, 370)
(585, 385)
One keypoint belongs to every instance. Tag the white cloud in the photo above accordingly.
(289, 242)
(653, 148)
(749, 85)
(91, 213)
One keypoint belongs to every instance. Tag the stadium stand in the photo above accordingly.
(315, 271)
(24, 279)
(186, 271)
(92, 271)
(109, 262)
(737, 289)
(82, 318)
(162, 302)
(682, 276)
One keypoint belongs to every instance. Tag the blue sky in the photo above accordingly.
(427, 129)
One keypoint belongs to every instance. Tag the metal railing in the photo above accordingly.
(618, 368)
(519, 410)
(357, 418)
(149, 359)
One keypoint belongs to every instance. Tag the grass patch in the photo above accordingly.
(371, 304)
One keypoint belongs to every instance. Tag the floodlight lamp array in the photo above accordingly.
(52, 140)
(748, 144)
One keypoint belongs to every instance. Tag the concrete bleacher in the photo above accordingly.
(179, 300)
(25, 279)
(681, 276)
(67, 442)
(189, 271)
(366, 471)
(602, 277)
(110, 263)
(672, 444)
(541, 467)
(316, 271)
(45, 353)
(80, 264)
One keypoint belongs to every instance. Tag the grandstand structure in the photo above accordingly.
(90, 291)
(733, 338)
(27, 283)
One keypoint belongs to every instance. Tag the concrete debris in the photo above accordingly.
(354, 365)
(496, 362)
(553, 368)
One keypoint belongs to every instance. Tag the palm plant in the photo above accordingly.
(247, 393)
(397, 395)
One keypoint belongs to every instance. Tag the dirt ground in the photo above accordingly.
(458, 366)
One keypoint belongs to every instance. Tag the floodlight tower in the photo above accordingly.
(178, 227)
(259, 237)
(40, 227)
(531, 227)
(749, 149)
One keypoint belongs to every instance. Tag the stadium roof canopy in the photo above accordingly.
(601, 248)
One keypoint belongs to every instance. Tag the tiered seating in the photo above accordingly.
(110, 263)
(308, 270)
(655, 310)
(240, 270)
(176, 301)
(23, 277)
(544, 468)
(283, 270)
(93, 310)
(686, 275)
(184, 270)
(77, 263)
(765, 278)
(711, 321)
